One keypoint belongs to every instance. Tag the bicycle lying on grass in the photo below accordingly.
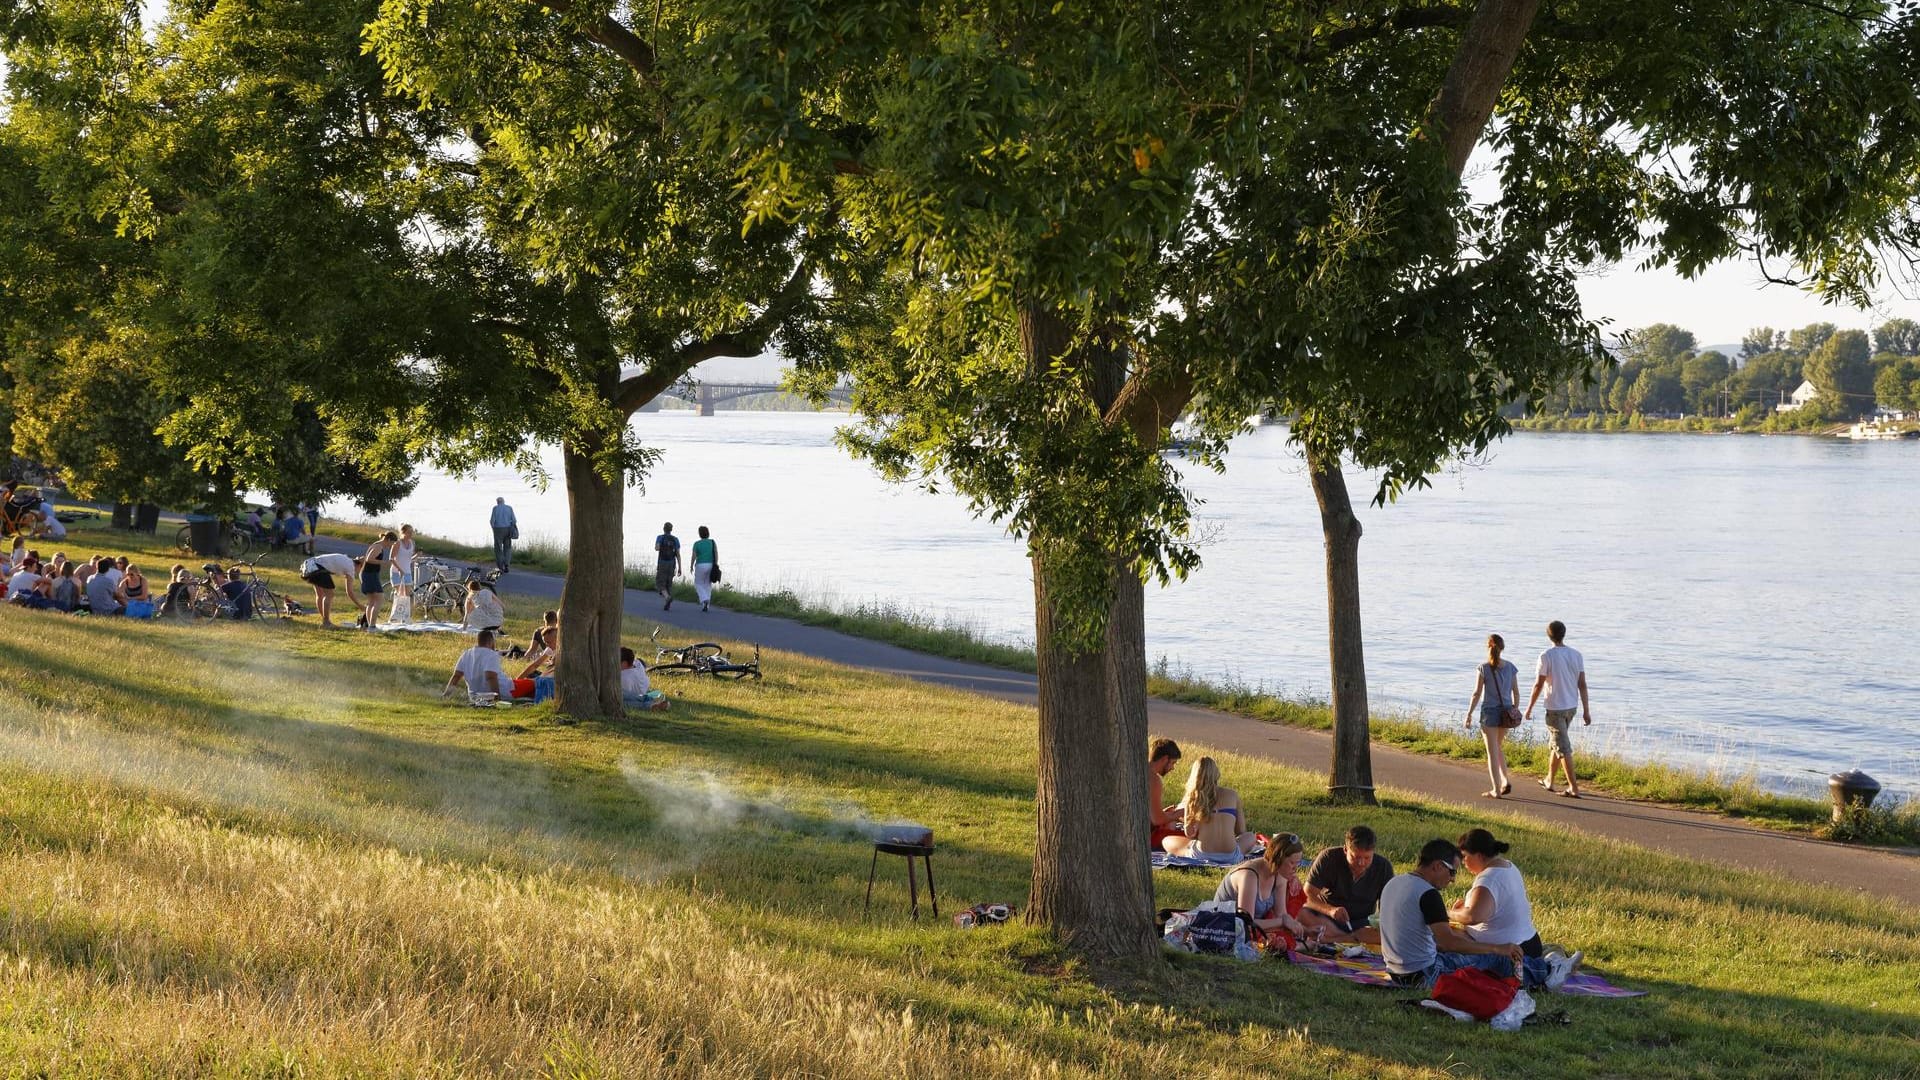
(700, 658)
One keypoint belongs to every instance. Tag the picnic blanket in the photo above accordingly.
(1371, 970)
(422, 627)
(1163, 861)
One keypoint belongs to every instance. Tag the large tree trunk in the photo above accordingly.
(1352, 776)
(587, 675)
(1091, 881)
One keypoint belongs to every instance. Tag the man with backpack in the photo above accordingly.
(666, 567)
(1420, 944)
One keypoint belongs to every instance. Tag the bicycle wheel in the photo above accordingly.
(744, 671)
(705, 650)
(205, 602)
(183, 540)
(674, 669)
(239, 542)
(440, 596)
(266, 603)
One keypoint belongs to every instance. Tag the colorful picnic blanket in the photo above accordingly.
(1371, 970)
(1163, 861)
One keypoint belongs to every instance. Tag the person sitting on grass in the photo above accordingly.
(636, 690)
(1343, 886)
(28, 587)
(103, 592)
(480, 669)
(65, 592)
(1211, 826)
(1420, 943)
(1163, 821)
(1268, 889)
(178, 603)
(484, 611)
(238, 594)
(1496, 909)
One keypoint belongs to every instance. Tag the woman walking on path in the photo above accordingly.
(373, 577)
(1496, 696)
(706, 555)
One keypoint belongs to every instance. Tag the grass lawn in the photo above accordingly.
(265, 849)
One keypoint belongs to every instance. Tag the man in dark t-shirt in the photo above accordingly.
(1344, 883)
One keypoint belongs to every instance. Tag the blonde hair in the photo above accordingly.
(1203, 791)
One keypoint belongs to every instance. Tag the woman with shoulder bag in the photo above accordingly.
(1498, 682)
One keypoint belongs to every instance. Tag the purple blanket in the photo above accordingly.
(1371, 970)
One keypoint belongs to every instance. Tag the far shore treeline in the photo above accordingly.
(1660, 372)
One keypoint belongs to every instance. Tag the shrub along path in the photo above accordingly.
(1873, 871)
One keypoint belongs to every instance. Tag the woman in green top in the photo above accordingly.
(705, 555)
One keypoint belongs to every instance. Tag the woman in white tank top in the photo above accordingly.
(1495, 910)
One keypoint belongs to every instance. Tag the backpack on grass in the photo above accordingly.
(1475, 992)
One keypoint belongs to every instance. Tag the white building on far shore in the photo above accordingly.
(1802, 394)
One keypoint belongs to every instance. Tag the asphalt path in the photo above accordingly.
(1893, 875)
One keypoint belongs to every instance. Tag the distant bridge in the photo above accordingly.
(707, 395)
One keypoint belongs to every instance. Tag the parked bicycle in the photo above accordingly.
(209, 602)
(238, 539)
(438, 586)
(700, 658)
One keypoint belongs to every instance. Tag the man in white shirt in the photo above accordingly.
(27, 586)
(1563, 674)
(319, 572)
(480, 668)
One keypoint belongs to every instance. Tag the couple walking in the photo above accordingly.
(706, 565)
(1562, 674)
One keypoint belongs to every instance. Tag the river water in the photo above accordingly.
(1745, 604)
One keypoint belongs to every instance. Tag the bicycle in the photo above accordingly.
(237, 537)
(436, 589)
(267, 604)
(700, 658)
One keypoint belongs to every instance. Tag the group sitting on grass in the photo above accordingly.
(482, 670)
(1351, 894)
(102, 585)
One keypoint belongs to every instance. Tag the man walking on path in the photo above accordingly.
(1563, 674)
(506, 529)
(666, 567)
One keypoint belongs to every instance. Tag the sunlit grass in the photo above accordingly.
(264, 849)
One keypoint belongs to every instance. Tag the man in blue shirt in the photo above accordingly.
(506, 528)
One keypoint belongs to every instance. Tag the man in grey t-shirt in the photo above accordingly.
(1562, 673)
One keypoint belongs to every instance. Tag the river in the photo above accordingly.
(1745, 604)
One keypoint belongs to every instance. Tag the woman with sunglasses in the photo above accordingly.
(1268, 889)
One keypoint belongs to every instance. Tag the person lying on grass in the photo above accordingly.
(1420, 944)
(1211, 823)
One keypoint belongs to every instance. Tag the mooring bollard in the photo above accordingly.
(1849, 789)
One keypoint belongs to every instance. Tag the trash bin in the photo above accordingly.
(123, 515)
(1852, 788)
(205, 534)
(146, 518)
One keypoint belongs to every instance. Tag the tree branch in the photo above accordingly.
(610, 34)
(748, 340)
(1151, 401)
(1488, 48)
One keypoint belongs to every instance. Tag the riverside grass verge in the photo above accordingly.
(263, 848)
(1892, 823)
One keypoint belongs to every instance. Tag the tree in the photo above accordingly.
(1810, 337)
(1761, 339)
(1035, 174)
(1841, 368)
(122, 331)
(1660, 343)
(1894, 387)
(1702, 377)
(1898, 336)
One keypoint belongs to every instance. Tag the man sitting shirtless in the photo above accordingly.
(1162, 756)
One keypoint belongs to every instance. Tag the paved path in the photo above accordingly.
(1705, 836)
